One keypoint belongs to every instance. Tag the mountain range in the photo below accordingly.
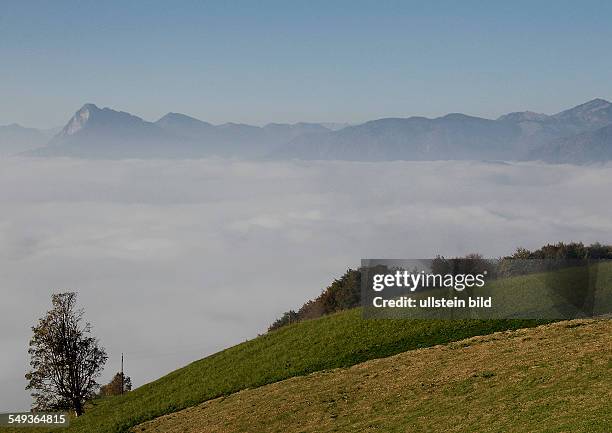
(576, 135)
(582, 134)
(105, 133)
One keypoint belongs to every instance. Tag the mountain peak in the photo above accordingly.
(89, 107)
(455, 117)
(588, 108)
(597, 102)
(592, 106)
(180, 119)
(172, 115)
(176, 122)
(523, 116)
(80, 119)
(91, 116)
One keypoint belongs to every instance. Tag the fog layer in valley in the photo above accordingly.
(174, 260)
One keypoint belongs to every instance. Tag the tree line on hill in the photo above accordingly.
(345, 292)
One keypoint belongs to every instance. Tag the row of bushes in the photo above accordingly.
(573, 250)
(345, 293)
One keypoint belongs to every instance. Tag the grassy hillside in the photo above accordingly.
(340, 340)
(554, 378)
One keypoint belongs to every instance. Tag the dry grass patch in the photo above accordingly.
(553, 378)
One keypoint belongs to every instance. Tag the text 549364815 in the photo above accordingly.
(31, 419)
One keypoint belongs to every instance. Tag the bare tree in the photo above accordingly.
(65, 359)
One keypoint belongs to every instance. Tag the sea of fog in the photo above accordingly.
(174, 260)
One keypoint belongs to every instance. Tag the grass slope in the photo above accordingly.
(554, 378)
(339, 340)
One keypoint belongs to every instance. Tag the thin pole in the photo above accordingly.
(122, 383)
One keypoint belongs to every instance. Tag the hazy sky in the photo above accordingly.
(262, 61)
(174, 260)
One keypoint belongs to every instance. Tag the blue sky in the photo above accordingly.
(287, 61)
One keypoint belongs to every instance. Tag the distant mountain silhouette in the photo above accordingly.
(16, 139)
(590, 116)
(515, 136)
(235, 139)
(577, 135)
(582, 148)
(181, 124)
(539, 132)
(454, 136)
(105, 133)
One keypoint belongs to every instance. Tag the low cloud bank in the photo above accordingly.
(174, 260)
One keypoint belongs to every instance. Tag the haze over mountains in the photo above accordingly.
(104, 133)
(16, 139)
(581, 134)
(574, 135)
